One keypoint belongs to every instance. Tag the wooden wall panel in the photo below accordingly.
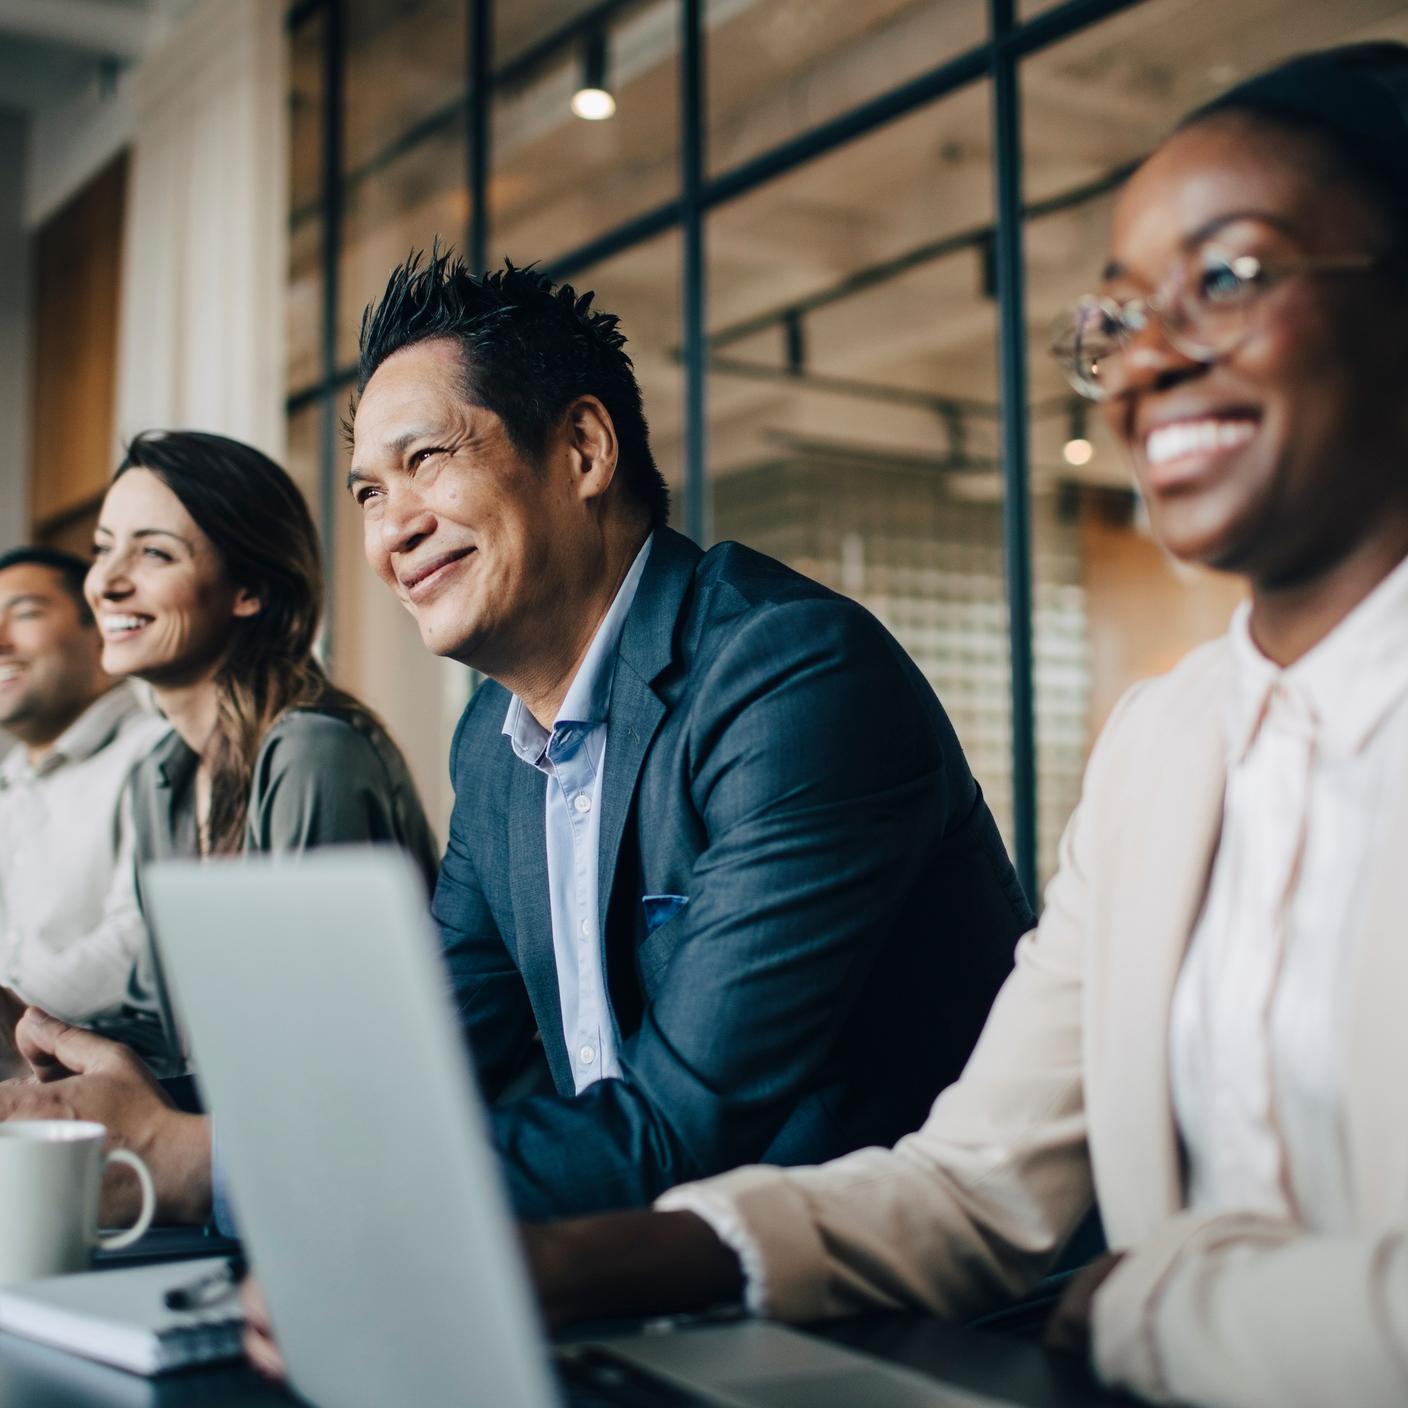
(77, 264)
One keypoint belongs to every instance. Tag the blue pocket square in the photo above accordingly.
(660, 909)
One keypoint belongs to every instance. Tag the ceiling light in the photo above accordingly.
(593, 100)
(1078, 451)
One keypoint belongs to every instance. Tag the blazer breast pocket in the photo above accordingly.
(660, 909)
(662, 936)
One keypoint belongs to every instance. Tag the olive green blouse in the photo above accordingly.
(325, 776)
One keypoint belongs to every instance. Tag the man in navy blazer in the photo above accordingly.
(719, 882)
(714, 844)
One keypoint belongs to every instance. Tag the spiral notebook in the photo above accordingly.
(121, 1318)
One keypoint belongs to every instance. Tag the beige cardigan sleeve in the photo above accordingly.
(970, 1210)
(1242, 1311)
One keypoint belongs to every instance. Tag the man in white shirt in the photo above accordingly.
(70, 932)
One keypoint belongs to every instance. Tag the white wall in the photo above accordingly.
(79, 130)
(72, 140)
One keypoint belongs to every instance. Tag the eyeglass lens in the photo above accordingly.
(1201, 309)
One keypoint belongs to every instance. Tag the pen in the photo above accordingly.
(211, 1288)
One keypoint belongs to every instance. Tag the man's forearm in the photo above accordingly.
(627, 1264)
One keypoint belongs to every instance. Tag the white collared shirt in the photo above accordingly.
(70, 930)
(573, 758)
(1259, 1021)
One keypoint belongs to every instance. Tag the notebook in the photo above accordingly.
(120, 1317)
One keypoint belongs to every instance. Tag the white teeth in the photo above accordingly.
(10, 672)
(120, 625)
(1193, 437)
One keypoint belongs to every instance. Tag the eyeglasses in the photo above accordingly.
(1205, 309)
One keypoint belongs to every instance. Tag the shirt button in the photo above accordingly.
(585, 928)
(587, 1055)
(582, 802)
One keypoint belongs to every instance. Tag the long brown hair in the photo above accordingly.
(260, 526)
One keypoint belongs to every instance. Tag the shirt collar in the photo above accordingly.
(1345, 687)
(88, 734)
(589, 695)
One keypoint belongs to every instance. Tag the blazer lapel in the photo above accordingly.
(1142, 931)
(636, 712)
(532, 913)
(1377, 1057)
(647, 649)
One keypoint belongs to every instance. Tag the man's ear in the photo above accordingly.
(592, 444)
(247, 604)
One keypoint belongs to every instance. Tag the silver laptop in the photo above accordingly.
(354, 1140)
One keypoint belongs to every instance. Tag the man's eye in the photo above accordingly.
(421, 456)
(364, 494)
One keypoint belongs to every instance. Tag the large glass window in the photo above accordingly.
(559, 180)
(642, 287)
(419, 196)
(778, 67)
(850, 308)
(853, 397)
(404, 75)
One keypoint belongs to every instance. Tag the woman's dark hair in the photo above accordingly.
(1354, 99)
(529, 347)
(261, 529)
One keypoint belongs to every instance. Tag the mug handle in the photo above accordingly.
(118, 1240)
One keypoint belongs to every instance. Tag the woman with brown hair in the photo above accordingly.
(206, 583)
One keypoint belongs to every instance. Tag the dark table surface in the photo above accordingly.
(1012, 1370)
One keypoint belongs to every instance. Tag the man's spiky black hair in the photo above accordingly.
(530, 348)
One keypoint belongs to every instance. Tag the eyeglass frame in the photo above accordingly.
(1248, 268)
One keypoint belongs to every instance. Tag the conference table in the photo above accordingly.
(1009, 1370)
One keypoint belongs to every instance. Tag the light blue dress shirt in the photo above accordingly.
(573, 758)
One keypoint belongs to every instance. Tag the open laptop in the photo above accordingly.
(347, 1120)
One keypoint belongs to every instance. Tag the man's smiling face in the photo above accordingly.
(467, 532)
(48, 654)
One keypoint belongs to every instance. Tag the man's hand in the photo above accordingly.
(12, 1062)
(259, 1344)
(80, 1076)
(1068, 1329)
(625, 1264)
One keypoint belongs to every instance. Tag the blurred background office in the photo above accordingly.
(836, 231)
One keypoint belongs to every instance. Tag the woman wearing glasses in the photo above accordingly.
(1207, 1033)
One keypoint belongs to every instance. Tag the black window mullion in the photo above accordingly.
(1008, 261)
(692, 137)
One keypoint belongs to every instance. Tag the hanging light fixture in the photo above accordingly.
(593, 99)
(1078, 450)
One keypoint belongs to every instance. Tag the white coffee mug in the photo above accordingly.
(51, 1175)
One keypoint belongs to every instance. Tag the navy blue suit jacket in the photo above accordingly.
(807, 908)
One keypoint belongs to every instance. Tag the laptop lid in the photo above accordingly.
(282, 974)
